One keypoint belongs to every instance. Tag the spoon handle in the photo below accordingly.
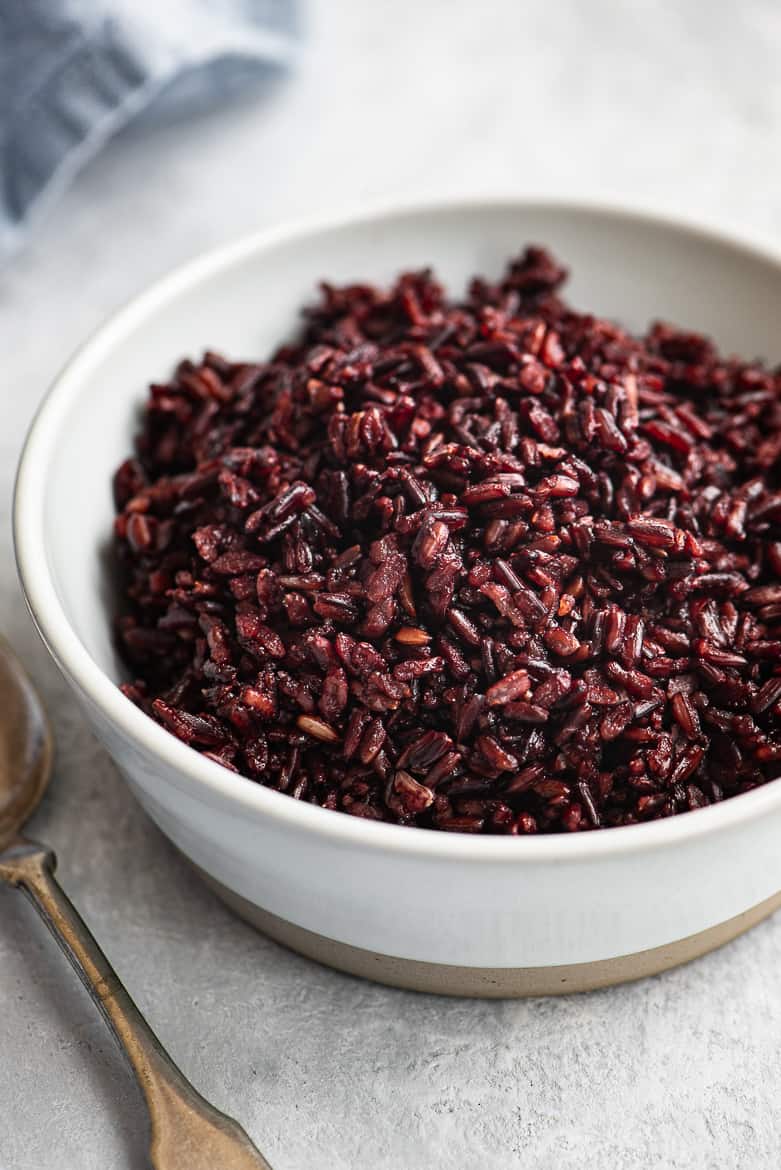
(187, 1132)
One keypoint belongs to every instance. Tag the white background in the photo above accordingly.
(668, 105)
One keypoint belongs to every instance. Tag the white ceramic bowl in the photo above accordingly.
(484, 915)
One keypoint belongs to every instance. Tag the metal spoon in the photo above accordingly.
(187, 1132)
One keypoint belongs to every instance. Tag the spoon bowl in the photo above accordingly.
(26, 750)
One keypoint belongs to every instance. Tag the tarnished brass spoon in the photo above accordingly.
(187, 1132)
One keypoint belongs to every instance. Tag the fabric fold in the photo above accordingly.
(74, 72)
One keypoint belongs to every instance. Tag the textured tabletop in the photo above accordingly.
(654, 102)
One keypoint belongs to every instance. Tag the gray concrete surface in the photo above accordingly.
(674, 105)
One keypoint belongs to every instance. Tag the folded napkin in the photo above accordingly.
(74, 72)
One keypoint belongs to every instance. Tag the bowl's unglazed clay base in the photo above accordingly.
(491, 982)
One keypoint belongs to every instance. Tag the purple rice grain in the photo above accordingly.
(485, 566)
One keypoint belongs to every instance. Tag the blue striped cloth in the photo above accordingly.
(74, 72)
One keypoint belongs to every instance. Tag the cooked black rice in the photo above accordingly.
(489, 565)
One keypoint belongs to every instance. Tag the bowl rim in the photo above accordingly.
(207, 781)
